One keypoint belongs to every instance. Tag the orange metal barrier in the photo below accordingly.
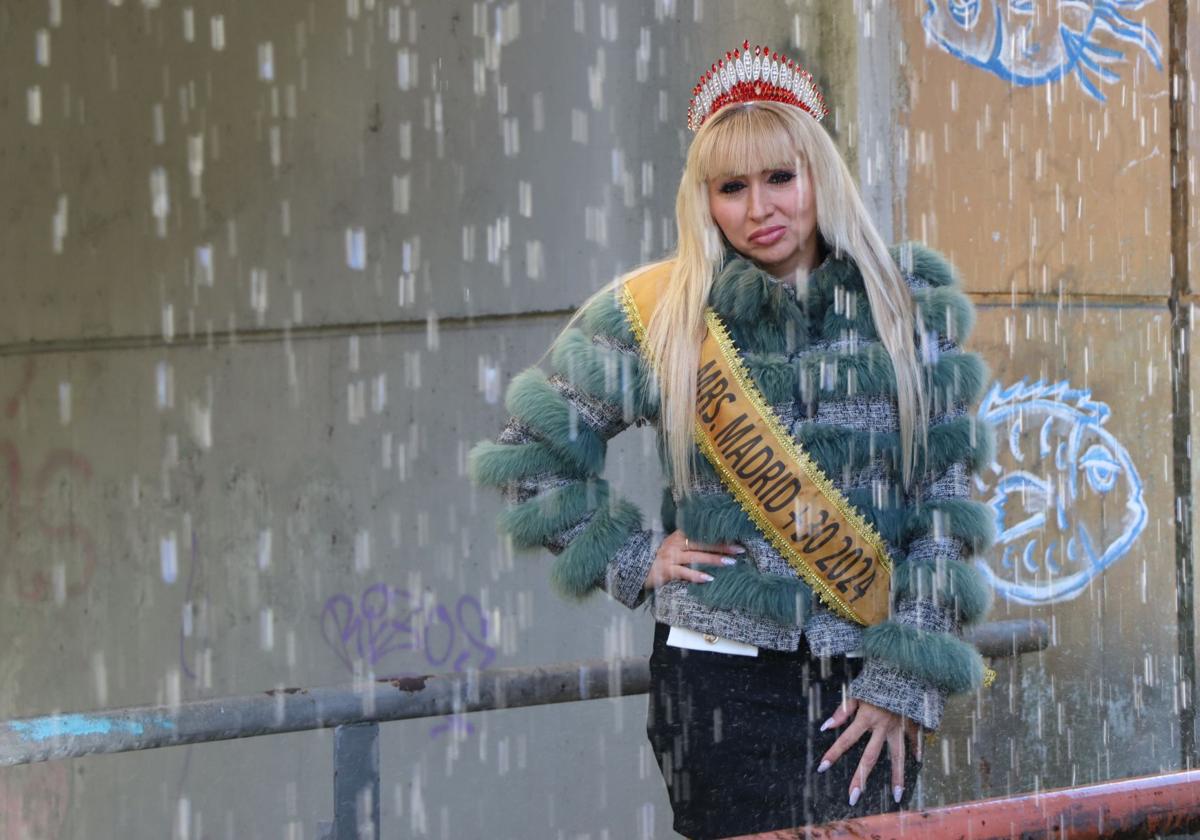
(1147, 806)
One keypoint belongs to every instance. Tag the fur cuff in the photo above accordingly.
(535, 402)
(496, 464)
(949, 582)
(583, 565)
(551, 512)
(606, 373)
(940, 659)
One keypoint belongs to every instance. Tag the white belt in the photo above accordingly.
(684, 637)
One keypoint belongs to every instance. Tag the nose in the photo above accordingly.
(760, 206)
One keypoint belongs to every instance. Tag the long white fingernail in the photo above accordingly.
(707, 577)
(823, 766)
(898, 792)
(854, 794)
(728, 561)
(827, 724)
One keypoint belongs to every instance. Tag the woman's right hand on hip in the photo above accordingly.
(677, 553)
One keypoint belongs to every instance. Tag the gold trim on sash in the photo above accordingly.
(782, 490)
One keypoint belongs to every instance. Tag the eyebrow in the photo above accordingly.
(741, 175)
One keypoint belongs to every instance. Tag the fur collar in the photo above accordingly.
(766, 314)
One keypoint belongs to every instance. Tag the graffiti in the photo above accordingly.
(386, 621)
(387, 624)
(34, 800)
(1025, 44)
(62, 470)
(14, 402)
(1049, 545)
(187, 621)
(31, 528)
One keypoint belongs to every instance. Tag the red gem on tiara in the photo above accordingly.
(769, 76)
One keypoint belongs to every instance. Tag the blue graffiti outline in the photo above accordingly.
(1099, 462)
(1082, 52)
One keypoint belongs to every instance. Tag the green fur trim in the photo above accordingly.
(888, 520)
(823, 283)
(965, 519)
(922, 262)
(953, 582)
(606, 317)
(745, 294)
(715, 517)
(496, 464)
(605, 373)
(964, 438)
(963, 383)
(946, 311)
(783, 600)
(761, 312)
(958, 377)
(774, 375)
(945, 296)
(831, 372)
(550, 513)
(943, 660)
(927, 263)
(535, 402)
(583, 565)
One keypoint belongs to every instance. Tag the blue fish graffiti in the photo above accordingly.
(1057, 453)
(1027, 43)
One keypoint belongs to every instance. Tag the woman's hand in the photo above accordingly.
(677, 551)
(885, 728)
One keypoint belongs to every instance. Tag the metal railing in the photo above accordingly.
(356, 711)
(1147, 806)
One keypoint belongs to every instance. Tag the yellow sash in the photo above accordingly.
(783, 491)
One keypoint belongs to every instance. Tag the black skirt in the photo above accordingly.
(737, 740)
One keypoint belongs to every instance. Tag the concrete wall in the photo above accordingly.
(266, 269)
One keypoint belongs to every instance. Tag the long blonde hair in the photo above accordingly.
(749, 138)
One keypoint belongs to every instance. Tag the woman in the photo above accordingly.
(770, 706)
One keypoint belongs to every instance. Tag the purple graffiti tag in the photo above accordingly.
(451, 723)
(338, 620)
(477, 641)
(378, 625)
(187, 601)
(385, 621)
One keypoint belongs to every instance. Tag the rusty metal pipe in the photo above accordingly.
(1145, 806)
(298, 709)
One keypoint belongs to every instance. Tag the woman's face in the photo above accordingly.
(769, 217)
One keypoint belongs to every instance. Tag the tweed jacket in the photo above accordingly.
(816, 357)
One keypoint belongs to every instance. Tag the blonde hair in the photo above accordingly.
(747, 138)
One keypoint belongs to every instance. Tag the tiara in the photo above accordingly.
(740, 77)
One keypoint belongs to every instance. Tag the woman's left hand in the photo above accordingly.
(885, 728)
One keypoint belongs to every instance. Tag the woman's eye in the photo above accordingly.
(783, 177)
(731, 187)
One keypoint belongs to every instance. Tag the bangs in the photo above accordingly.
(745, 141)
